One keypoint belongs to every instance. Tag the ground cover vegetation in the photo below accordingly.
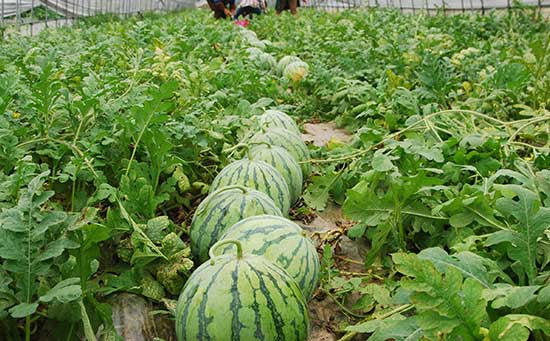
(111, 133)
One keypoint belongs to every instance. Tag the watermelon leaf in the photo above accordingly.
(445, 303)
(32, 237)
(529, 222)
(517, 327)
(514, 297)
(403, 329)
(469, 264)
(317, 193)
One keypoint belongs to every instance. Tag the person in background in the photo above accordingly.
(283, 5)
(249, 7)
(222, 8)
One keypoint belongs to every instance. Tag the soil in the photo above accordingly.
(330, 226)
(134, 319)
(319, 134)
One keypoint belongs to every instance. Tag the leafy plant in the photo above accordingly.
(33, 239)
(524, 235)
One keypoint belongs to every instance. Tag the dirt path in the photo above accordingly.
(325, 315)
(319, 134)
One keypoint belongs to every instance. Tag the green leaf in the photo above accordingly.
(56, 248)
(445, 304)
(23, 309)
(462, 219)
(382, 163)
(66, 291)
(532, 222)
(504, 329)
(363, 205)
(7, 298)
(12, 220)
(505, 295)
(51, 219)
(357, 230)
(156, 228)
(104, 191)
(399, 211)
(544, 295)
(517, 326)
(28, 250)
(382, 231)
(317, 193)
(182, 179)
(469, 264)
(398, 330)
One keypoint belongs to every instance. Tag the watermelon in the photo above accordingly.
(282, 161)
(257, 175)
(285, 61)
(290, 141)
(277, 119)
(296, 71)
(252, 38)
(242, 297)
(261, 59)
(281, 241)
(220, 210)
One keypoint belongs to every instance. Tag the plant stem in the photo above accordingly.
(400, 309)
(70, 334)
(151, 114)
(29, 268)
(88, 330)
(343, 307)
(136, 228)
(530, 122)
(73, 194)
(28, 328)
(214, 247)
(227, 188)
(414, 125)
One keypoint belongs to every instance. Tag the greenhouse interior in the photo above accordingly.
(275, 170)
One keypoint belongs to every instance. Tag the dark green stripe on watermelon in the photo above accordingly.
(241, 299)
(282, 242)
(277, 119)
(282, 161)
(220, 210)
(257, 175)
(290, 141)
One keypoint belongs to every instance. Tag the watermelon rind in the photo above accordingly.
(257, 175)
(290, 141)
(220, 210)
(242, 297)
(281, 241)
(277, 119)
(282, 161)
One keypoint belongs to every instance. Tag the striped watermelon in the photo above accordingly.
(277, 119)
(257, 175)
(282, 161)
(281, 241)
(243, 297)
(220, 210)
(289, 141)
